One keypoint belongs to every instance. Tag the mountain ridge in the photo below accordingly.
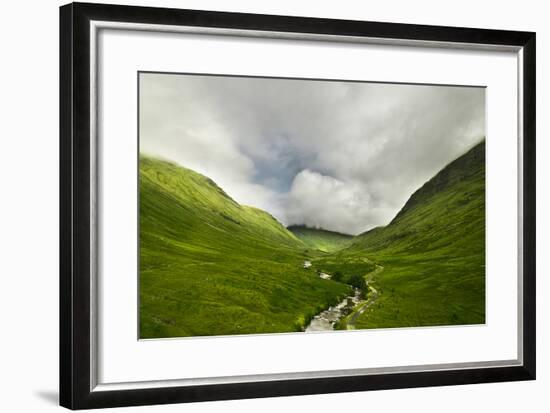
(433, 252)
(460, 168)
(210, 266)
(319, 238)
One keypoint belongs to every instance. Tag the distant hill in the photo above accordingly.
(321, 239)
(433, 251)
(211, 266)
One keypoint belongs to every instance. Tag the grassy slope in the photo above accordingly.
(209, 266)
(323, 240)
(433, 252)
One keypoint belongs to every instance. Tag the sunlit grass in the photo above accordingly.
(209, 266)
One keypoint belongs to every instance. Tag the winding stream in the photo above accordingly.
(325, 320)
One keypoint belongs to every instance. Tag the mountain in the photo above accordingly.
(451, 203)
(209, 266)
(432, 252)
(321, 239)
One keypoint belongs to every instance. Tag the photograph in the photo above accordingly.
(286, 205)
(289, 204)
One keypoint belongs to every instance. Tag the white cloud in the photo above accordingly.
(282, 145)
(325, 202)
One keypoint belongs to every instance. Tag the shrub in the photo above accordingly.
(337, 276)
(357, 281)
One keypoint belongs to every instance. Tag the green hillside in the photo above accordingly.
(323, 240)
(431, 257)
(209, 266)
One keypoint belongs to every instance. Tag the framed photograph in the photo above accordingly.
(257, 206)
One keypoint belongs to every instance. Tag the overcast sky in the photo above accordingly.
(343, 156)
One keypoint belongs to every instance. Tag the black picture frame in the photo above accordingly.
(75, 219)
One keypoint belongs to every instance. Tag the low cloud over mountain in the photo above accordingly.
(343, 156)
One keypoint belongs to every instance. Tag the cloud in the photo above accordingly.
(341, 155)
(321, 201)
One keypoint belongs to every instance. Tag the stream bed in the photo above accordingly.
(325, 320)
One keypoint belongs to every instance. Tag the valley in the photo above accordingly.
(210, 266)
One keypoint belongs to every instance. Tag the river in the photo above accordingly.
(325, 320)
